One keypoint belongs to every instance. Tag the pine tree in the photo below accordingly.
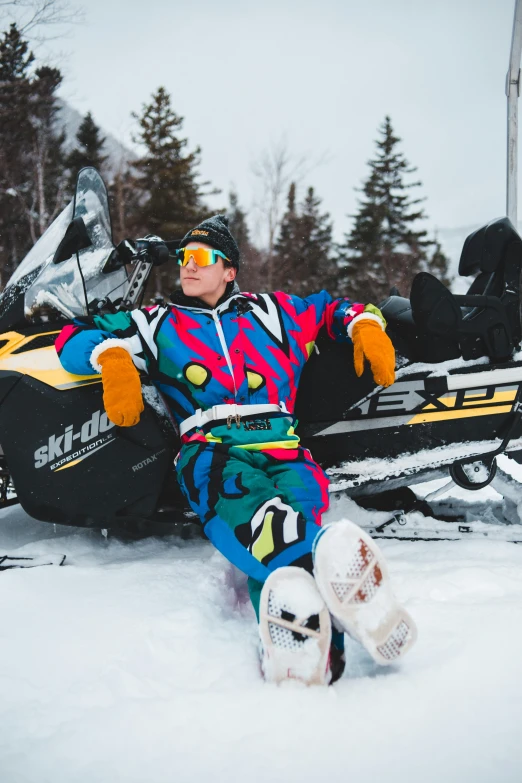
(31, 154)
(167, 179)
(15, 57)
(124, 201)
(237, 222)
(317, 254)
(88, 150)
(438, 263)
(287, 246)
(15, 143)
(385, 248)
(49, 181)
(252, 271)
(167, 174)
(304, 257)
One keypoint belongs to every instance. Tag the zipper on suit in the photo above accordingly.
(224, 347)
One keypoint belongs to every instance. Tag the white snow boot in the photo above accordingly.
(295, 629)
(352, 577)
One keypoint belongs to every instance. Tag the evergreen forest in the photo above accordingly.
(163, 191)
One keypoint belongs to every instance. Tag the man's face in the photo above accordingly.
(206, 282)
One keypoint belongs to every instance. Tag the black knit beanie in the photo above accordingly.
(215, 232)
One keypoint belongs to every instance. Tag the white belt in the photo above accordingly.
(225, 412)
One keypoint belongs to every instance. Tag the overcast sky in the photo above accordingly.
(320, 73)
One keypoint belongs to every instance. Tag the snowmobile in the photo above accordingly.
(66, 463)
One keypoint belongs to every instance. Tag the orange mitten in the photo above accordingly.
(122, 398)
(371, 342)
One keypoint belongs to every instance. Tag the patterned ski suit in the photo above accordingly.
(258, 494)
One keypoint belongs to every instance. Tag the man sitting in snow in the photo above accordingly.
(228, 365)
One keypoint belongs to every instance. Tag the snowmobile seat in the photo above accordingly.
(437, 317)
(471, 325)
(494, 254)
(397, 311)
(483, 322)
(485, 250)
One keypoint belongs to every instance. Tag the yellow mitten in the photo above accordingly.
(371, 342)
(122, 398)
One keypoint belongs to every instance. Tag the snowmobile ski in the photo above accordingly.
(7, 562)
(415, 527)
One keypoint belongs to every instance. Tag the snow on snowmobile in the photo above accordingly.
(65, 462)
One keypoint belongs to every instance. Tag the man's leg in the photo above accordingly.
(244, 509)
(246, 518)
(351, 574)
(302, 485)
(349, 569)
(262, 512)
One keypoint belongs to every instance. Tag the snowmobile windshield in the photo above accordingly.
(67, 286)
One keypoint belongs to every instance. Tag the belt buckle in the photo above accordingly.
(236, 418)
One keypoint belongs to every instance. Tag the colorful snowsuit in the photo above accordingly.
(258, 494)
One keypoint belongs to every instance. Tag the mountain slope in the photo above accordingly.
(70, 119)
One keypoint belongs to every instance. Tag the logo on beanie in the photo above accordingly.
(199, 233)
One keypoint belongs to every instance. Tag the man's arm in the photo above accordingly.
(346, 321)
(117, 346)
(320, 309)
(342, 315)
(80, 344)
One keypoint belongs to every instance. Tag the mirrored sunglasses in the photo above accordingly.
(202, 256)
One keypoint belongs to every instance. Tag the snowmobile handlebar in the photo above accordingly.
(151, 249)
(144, 254)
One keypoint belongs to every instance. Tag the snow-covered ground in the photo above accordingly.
(138, 662)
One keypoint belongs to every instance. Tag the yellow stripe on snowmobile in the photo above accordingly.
(42, 364)
(461, 413)
(449, 400)
(75, 384)
(84, 456)
(16, 339)
(70, 464)
(501, 396)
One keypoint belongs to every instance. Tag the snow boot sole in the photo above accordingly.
(295, 629)
(351, 574)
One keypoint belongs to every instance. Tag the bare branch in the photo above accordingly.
(276, 168)
(31, 16)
